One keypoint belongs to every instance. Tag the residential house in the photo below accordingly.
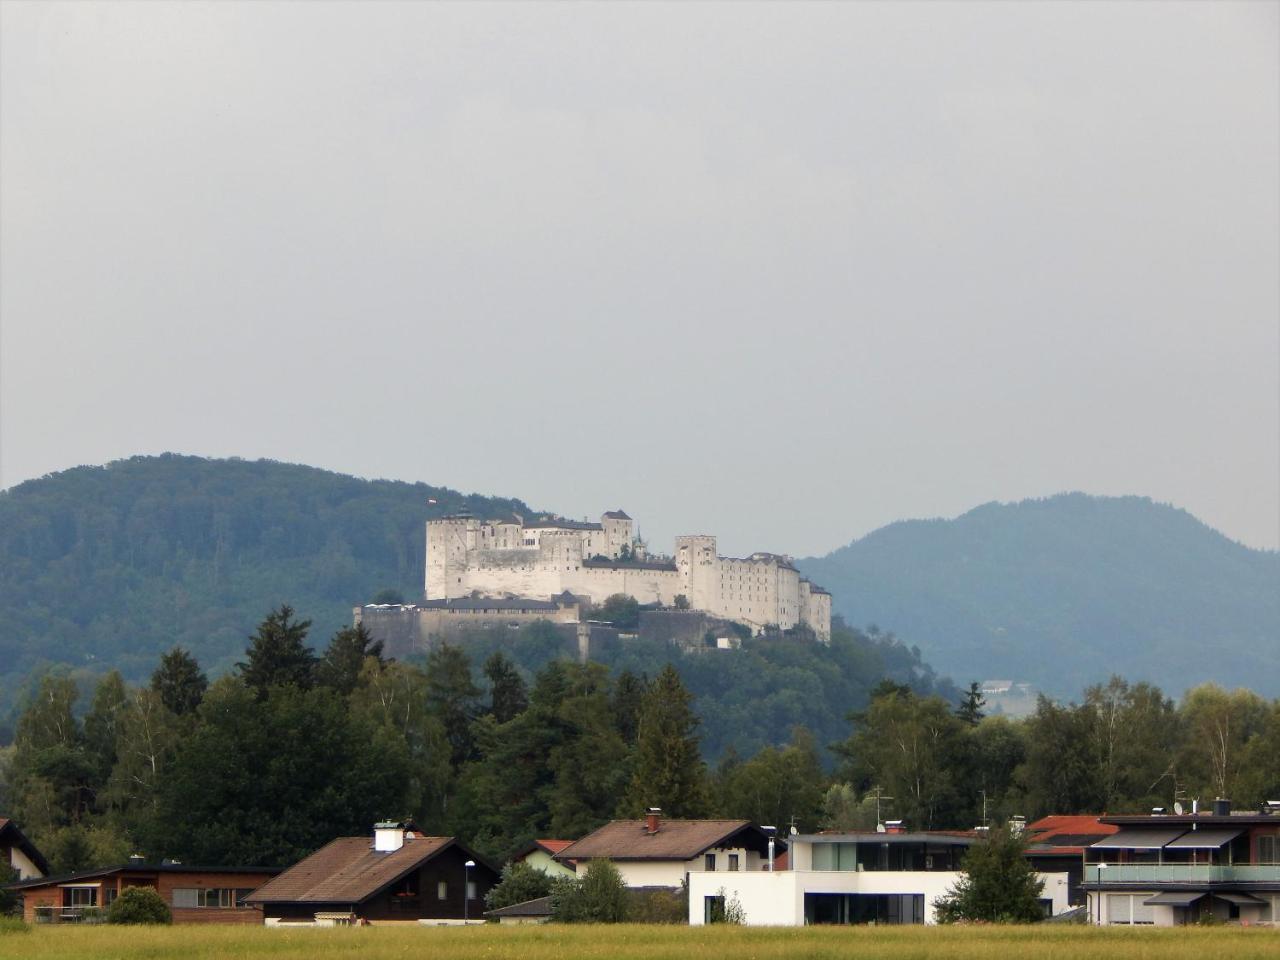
(889, 877)
(537, 910)
(661, 853)
(1165, 870)
(541, 855)
(397, 876)
(1056, 844)
(194, 894)
(20, 853)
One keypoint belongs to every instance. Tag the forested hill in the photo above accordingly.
(1067, 590)
(107, 567)
(112, 565)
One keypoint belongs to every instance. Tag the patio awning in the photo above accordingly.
(1205, 839)
(1239, 899)
(1138, 839)
(1174, 898)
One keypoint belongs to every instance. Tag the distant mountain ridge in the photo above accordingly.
(1066, 590)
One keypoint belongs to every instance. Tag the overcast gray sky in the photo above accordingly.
(783, 273)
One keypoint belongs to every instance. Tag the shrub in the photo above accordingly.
(598, 897)
(139, 905)
(520, 882)
(997, 884)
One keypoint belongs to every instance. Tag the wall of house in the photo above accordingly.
(777, 899)
(22, 863)
(165, 883)
(541, 860)
(671, 873)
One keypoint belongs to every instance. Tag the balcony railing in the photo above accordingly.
(1181, 873)
(70, 915)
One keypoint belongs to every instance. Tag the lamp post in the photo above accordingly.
(1097, 891)
(466, 890)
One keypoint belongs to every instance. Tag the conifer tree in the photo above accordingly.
(339, 668)
(508, 694)
(179, 681)
(278, 654)
(667, 766)
(970, 709)
(452, 697)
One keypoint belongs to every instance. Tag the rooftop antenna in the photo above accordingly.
(880, 796)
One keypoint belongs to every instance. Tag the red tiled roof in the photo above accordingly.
(553, 846)
(1067, 833)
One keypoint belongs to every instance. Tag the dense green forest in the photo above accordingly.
(297, 745)
(106, 567)
(1067, 590)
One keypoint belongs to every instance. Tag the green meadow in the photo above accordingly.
(625, 942)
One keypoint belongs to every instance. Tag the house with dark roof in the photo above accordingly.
(537, 910)
(194, 894)
(662, 853)
(396, 876)
(20, 853)
(1168, 869)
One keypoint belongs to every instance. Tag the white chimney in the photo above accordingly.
(388, 836)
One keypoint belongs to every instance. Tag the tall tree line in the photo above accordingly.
(296, 746)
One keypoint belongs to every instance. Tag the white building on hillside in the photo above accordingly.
(543, 559)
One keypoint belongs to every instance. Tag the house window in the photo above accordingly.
(733, 863)
(407, 887)
(709, 863)
(442, 890)
(80, 896)
(1269, 849)
(188, 898)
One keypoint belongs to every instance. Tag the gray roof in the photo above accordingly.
(489, 603)
(952, 839)
(538, 907)
(559, 523)
(617, 515)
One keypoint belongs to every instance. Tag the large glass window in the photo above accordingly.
(191, 898)
(1269, 849)
(80, 896)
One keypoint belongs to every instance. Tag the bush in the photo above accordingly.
(997, 884)
(659, 906)
(598, 897)
(520, 882)
(139, 905)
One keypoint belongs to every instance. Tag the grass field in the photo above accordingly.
(636, 942)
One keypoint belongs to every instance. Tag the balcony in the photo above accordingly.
(1181, 873)
(70, 915)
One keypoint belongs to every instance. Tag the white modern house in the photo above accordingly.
(891, 877)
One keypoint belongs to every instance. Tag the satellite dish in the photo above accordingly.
(1177, 808)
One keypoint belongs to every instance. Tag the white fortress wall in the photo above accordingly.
(542, 559)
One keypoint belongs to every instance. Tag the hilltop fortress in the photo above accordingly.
(569, 562)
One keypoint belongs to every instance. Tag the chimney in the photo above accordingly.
(652, 820)
(388, 836)
(1221, 807)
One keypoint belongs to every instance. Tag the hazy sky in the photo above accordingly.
(780, 273)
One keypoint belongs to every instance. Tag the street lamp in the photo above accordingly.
(1097, 891)
(466, 890)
